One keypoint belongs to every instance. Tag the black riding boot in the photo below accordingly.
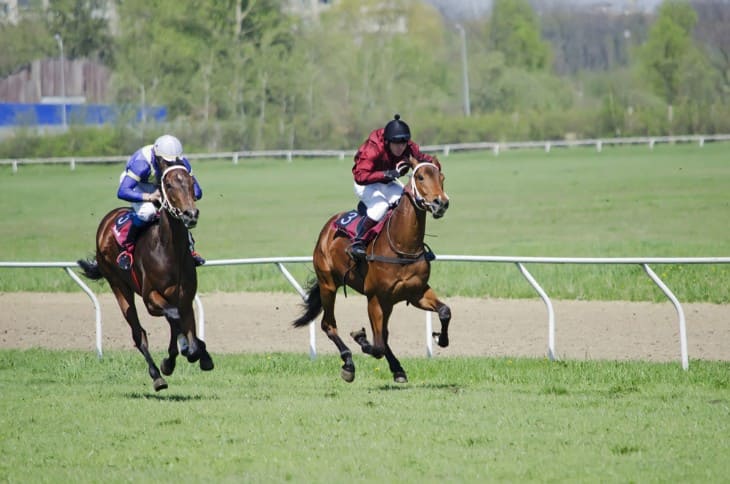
(125, 258)
(357, 249)
(199, 260)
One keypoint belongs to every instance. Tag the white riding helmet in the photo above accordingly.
(168, 147)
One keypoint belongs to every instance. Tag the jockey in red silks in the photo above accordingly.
(139, 184)
(379, 162)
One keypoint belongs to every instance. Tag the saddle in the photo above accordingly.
(346, 223)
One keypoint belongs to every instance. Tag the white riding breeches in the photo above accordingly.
(377, 197)
(145, 211)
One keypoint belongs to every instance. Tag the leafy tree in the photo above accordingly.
(713, 32)
(23, 43)
(668, 43)
(84, 31)
(514, 30)
(589, 39)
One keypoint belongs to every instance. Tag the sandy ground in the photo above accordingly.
(260, 323)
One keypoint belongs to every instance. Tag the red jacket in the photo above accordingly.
(372, 159)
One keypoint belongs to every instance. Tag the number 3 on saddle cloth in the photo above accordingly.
(346, 224)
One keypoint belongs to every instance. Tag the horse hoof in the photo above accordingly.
(356, 335)
(206, 364)
(400, 377)
(348, 374)
(443, 339)
(167, 366)
(159, 384)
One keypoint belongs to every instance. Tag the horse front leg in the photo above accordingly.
(168, 364)
(399, 374)
(125, 299)
(430, 302)
(196, 350)
(329, 326)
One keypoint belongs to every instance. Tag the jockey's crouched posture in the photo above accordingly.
(139, 185)
(379, 162)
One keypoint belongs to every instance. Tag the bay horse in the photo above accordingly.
(163, 272)
(397, 268)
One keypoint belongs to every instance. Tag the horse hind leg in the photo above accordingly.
(139, 335)
(329, 326)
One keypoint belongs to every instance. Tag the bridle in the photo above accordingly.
(421, 204)
(418, 199)
(172, 210)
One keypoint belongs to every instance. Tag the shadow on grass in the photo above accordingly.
(166, 397)
(452, 387)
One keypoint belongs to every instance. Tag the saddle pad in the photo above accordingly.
(346, 224)
(121, 226)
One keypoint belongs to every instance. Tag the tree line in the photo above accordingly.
(248, 74)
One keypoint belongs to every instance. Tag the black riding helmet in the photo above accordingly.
(397, 130)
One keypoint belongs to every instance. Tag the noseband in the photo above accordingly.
(172, 210)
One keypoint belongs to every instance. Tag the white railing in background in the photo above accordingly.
(446, 149)
(518, 261)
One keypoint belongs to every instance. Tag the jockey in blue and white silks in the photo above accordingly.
(139, 184)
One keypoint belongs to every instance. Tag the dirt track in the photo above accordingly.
(257, 322)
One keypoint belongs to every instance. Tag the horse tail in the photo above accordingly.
(90, 268)
(312, 306)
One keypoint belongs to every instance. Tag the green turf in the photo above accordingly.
(67, 417)
(622, 202)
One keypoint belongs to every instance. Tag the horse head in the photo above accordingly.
(178, 196)
(427, 188)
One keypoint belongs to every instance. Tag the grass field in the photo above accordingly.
(68, 417)
(631, 201)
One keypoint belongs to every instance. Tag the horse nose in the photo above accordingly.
(192, 217)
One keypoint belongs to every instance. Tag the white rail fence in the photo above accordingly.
(446, 149)
(520, 262)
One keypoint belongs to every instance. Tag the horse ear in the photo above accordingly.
(413, 161)
(162, 163)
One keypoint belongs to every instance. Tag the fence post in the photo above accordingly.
(73, 164)
(235, 158)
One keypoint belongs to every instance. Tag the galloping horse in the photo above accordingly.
(163, 272)
(397, 269)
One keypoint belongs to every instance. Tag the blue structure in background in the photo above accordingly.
(17, 114)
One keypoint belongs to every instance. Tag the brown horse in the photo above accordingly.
(397, 269)
(163, 273)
